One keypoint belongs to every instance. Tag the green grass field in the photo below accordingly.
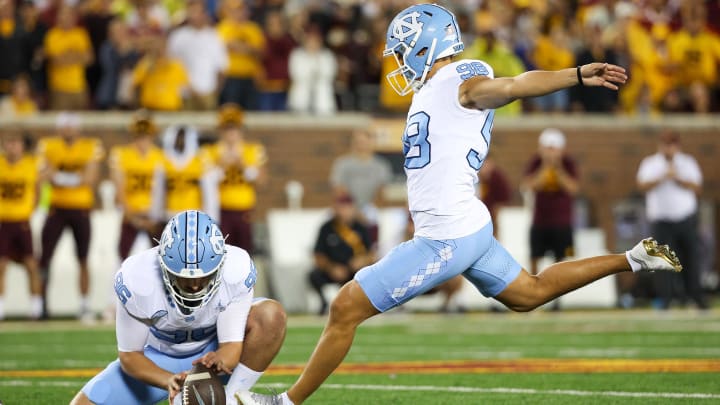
(593, 357)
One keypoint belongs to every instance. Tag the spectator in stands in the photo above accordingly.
(18, 198)
(11, 46)
(630, 41)
(503, 61)
(552, 52)
(186, 181)
(201, 50)
(20, 102)
(362, 174)
(657, 72)
(342, 248)
(71, 164)
(95, 17)
(69, 52)
(493, 190)
(245, 44)
(133, 169)
(696, 51)
(147, 21)
(552, 177)
(117, 58)
(365, 79)
(312, 74)
(33, 43)
(242, 168)
(594, 100)
(340, 42)
(159, 79)
(275, 81)
(672, 181)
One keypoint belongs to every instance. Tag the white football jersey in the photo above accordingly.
(140, 289)
(445, 145)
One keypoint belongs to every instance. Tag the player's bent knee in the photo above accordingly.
(523, 294)
(351, 305)
(268, 315)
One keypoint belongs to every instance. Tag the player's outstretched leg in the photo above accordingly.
(348, 310)
(528, 292)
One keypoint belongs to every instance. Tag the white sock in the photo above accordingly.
(242, 379)
(2, 308)
(84, 306)
(286, 399)
(36, 303)
(635, 266)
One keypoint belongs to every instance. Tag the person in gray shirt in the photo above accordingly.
(362, 174)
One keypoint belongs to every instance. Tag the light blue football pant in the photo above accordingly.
(416, 266)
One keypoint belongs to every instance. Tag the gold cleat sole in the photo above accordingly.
(662, 251)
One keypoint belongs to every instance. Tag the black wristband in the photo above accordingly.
(579, 76)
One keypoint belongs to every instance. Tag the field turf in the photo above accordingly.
(588, 357)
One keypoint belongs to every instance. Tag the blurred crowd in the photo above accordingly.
(321, 56)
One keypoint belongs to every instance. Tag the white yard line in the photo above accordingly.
(32, 383)
(428, 388)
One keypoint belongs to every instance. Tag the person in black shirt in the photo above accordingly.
(343, 247)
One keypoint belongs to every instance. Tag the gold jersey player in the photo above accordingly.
(133, 168)
(70, 163)
(18, 198)
(241, 167)
(184, 183)
(446, 139)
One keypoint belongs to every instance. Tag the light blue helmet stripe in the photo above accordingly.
(191, 238)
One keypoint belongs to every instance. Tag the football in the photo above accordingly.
(202, 386)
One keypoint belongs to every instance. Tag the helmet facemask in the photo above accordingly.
(404, 79)
(186, 299)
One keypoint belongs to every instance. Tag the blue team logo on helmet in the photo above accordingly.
(191, 254)
(416, 38)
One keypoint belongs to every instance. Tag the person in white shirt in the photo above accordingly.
(672, 181)
(188, 300)
(312, 69)
(446, 139)
(199, 47)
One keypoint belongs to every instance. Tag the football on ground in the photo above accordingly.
(202, 387)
